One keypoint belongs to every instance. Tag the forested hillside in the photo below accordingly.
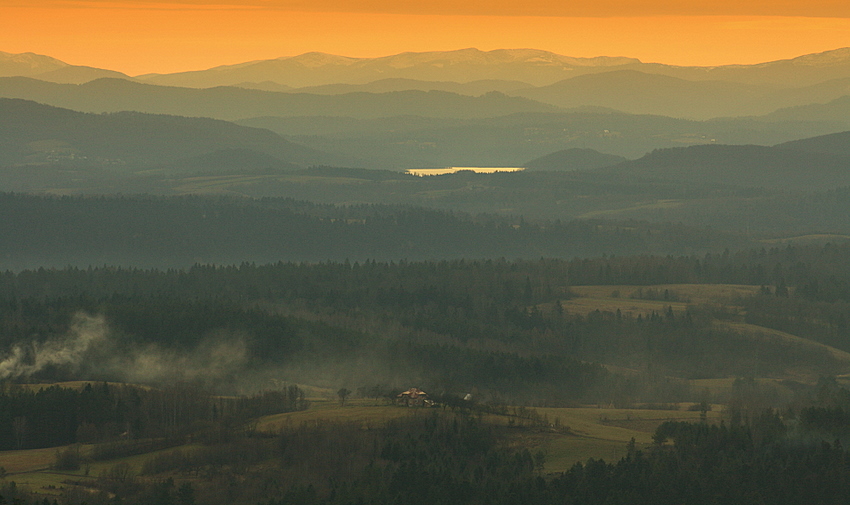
(38, 134)
(498, 326)
(180, 231)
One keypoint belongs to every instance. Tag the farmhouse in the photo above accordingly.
(414, 398)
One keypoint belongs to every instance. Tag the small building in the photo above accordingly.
(414, 397)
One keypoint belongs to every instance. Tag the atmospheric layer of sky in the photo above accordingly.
(142, 36)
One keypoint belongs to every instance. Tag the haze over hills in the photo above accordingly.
(46, 149)
(837, 144)
(230, 103)
(464, 65)
(440, 128)
(638, 92)
(800, 71)
(574, 159)
(50, 69)
(472, 88)
(441, 124)
(365, 86)
(836, 112)
(27, 64)
(789, 166)
(410, 141)
(529, 65)
(32, 133)
(535, 67)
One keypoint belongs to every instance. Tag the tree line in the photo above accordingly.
(492, 325)
(115, 415)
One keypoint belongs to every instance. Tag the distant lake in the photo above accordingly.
(451, 170)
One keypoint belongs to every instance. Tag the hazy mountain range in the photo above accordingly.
(113, 95)
(50, 69)
(34, 135)
(313, 69)
(625, 84)
(458, 108)
(417, 128)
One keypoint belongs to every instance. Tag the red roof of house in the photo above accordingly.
(413, 393)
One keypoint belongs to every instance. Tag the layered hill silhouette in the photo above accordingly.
(837, 144)
(818, 163)
(47, 149)
(533, 66)
(574, 159)
(32, 133)
(473, 88)
(410, 141)
(464, 65)
(835, 112)
(113, 95)
(639, 92)
(620, 83)
(440, 109)
(50, 69)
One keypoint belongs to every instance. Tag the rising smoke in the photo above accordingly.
(70, 352)
(220, 362)
(89, 351)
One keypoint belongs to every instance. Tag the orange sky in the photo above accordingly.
(141, 36)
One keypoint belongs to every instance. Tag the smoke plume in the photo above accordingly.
(24, 360)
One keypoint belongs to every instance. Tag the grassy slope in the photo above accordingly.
(604, 432)
(576, 435)
(611, 298)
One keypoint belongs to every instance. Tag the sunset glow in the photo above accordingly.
(138, 37)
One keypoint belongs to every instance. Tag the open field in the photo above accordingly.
(762, 332)
(820, 237)
(722, 387)
(603, 433)
(32, 468)
(634, 300)
(651, 205)
(27, 461)
(574, 435)
(364, 411)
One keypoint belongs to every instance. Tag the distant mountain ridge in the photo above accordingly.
(36, 134)
(537, 67)
(27, 64)
(230, 103)
(472, 88)
(50, 69)
(463, 65)
(619, 83)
